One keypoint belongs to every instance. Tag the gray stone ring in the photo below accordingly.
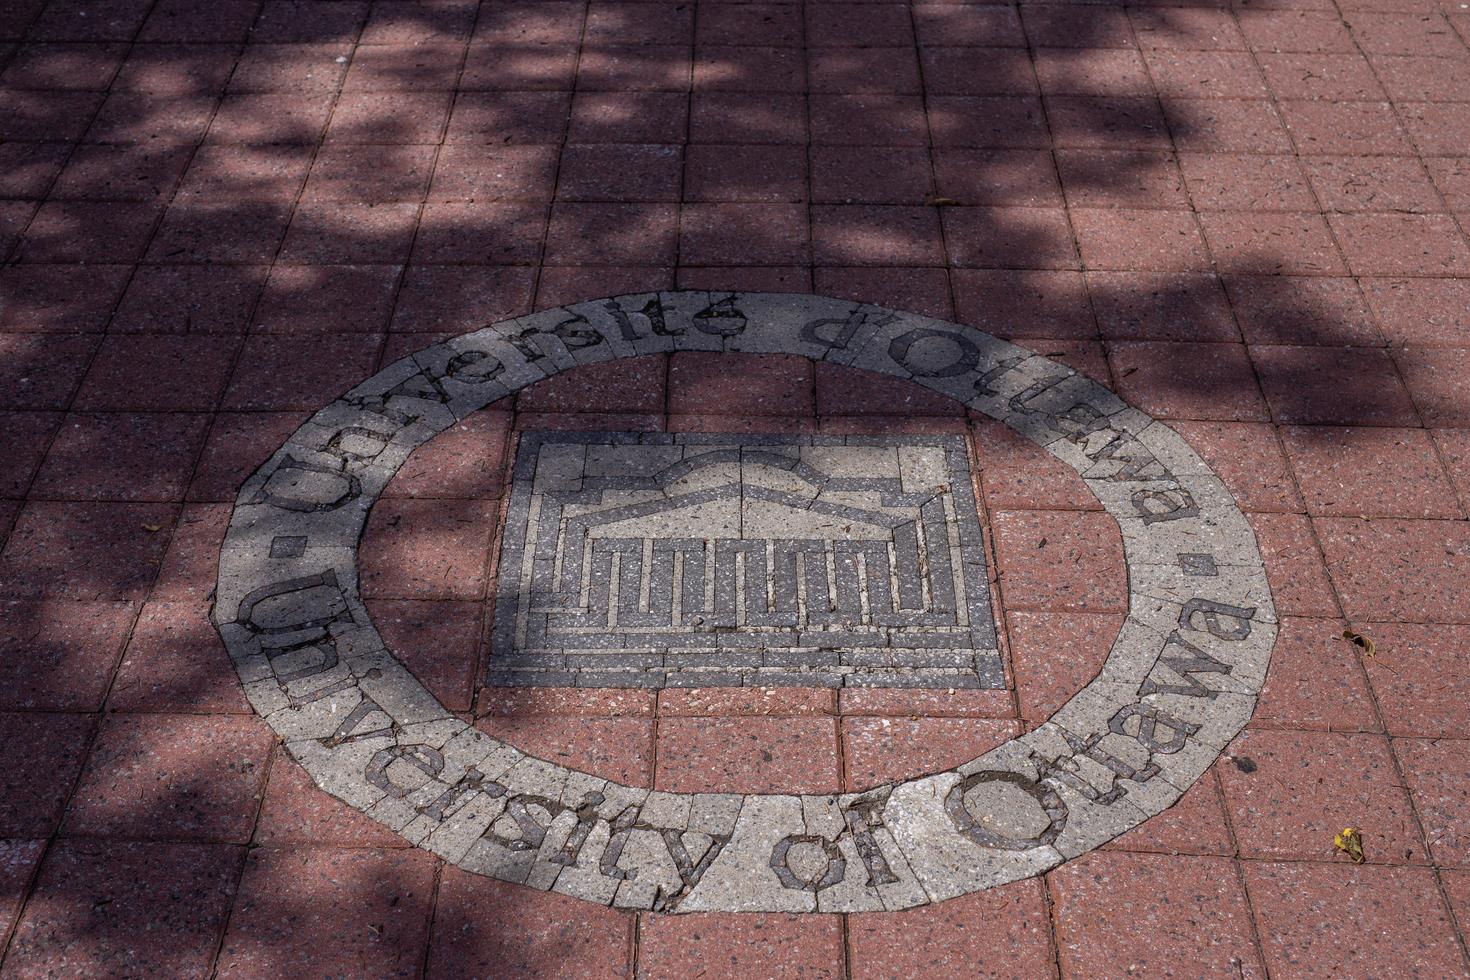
(1179, 683)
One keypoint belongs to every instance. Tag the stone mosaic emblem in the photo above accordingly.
(714, 560)
(1179, 683)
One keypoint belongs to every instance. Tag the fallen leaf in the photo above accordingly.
(152, 527)
(943, 202)
(1350, 842)
(1361, 642)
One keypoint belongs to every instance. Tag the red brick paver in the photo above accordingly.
(217, 215)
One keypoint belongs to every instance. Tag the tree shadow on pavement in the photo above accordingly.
(217, 216)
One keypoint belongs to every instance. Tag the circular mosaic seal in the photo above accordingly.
(1179, 683)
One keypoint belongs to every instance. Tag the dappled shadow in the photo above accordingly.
(228, 213)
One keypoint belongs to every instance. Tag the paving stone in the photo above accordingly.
(1058, 560)
(42, 372)
(1315, 681)
(237, 444)
(1419, 312)
(1119, 780)
(1042, 683)
(30, 167)
(628, 386)
(149, 908)
(619, 749)
(946, 863)
(1195, 825)
(1296, 905)
(1414, 574)
(1168, 306)
(18, 862)
(1314, 387)
(338, 298)
(8, 511)
(428, 549)
(882, 750)
(174, 662)
(438, 641)
(743, 875)
(303, 910)
(435, 298)
(295, 811)
(759, 944)
(122, 456)
(748, 755)
(37, 786)
(60, 656)
(192, 560)
(845, 391)
(1193, 915)
(1417, 682)
(940, 940)
(1188, 381)
(151, 373)
(1294, 565)
(279, 374)
(1016, 477)
(1435, 379)
(1104, 237)
(1402, 244)
(77, 231)
(1327, 793)
(174, 777)
(544, 937)
(1430, 770)
(1249, 459)
(1303, 310)
(388, 118)
(933, 703)
(86, 550)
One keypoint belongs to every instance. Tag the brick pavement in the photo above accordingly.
(1248, 221)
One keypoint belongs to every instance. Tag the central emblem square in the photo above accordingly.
(693, 560)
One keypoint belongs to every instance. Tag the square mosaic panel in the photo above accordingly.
(653, 560)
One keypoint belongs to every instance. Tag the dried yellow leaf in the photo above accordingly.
(1350, 842)
(1360, 641)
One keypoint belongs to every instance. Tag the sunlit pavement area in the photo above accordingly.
(217, 216)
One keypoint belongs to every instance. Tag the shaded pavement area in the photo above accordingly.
(216, 215)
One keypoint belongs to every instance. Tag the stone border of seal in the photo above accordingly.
(1179, 683)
